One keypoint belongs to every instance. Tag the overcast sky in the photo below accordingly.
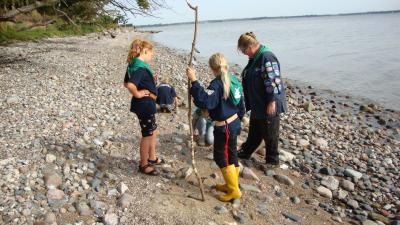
(226, 9)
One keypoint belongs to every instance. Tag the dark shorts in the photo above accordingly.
(147, 124)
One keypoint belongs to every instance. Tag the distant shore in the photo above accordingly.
(266, 17)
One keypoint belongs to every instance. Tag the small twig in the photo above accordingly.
(190, 63)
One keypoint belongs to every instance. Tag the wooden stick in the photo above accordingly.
(190, 64)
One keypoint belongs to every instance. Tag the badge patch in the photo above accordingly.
(276, 90)
(271, 75)
(269, 69)
(209, 91)
(277, 72)
(268, 64)
(270, 89)
(237, 94)
(277, 81)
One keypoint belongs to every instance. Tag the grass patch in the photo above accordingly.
(17, 32)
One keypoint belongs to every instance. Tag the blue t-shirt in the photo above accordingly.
(220, 109)
(166, 94)
(143, 80)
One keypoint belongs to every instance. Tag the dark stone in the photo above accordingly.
(292, 217)
(327, 171)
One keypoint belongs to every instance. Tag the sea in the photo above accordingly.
(357, 55)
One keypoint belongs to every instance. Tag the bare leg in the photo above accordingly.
(152, 145)
(144, 150)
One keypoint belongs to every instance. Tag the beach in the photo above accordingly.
(69, 147)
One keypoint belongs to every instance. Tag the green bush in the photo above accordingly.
(18, 32)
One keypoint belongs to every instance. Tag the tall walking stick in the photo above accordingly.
(190, 102)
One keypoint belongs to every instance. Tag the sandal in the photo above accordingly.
(157, 161)
(153, 172)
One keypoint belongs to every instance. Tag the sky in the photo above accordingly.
(227, 9)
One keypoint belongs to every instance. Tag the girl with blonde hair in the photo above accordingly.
(140, 81)
(224, 101)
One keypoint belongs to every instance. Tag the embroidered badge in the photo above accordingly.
(209, 91)
(269, 69)
(277, 80)
(268, 64)
(271, 75)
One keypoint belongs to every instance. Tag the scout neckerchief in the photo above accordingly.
(136, 64)
(235, 89)
(253, 60)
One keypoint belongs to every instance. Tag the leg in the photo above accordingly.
(201, 126)
(271, 138)
(144, 150)
(253, 140)
(152, 145)
(232, 143)
(219, 147)
(210, 134)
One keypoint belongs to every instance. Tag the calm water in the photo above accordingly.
(357, 55)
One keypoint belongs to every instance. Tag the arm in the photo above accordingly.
(242, 109)
(201, 98)
(135, 92)
(271, 77)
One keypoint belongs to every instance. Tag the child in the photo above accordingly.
(224, 102)
(205, 126)
(166, 98)
(139, 80)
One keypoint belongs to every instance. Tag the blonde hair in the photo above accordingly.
(218, 63)
(137, 47)
(247, 39)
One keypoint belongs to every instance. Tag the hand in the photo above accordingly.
(191, 74)
(271, 108)
(143, 93)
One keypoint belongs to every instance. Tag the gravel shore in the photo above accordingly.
(69, 148)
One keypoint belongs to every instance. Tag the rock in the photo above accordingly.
(347, 185)
(330, 182)
(303, 143)
(50, 219)
(247, 173)
(262, 208)
(270, 173)
(12, 100)
(251, 188)
(312, 201)
(378, 217)
(324, 192)
(337, 219)
(220, 209)
(110, 219)
(295, 200)
(320, 142)
(367, 109)
(285, 156)
(98, 142)
(352, 173)
(52, 180)
(236, 203)
(352, 203)
(368, 222)
(99, 207)
(83, 208)
(95, 184)
(55, 194)
(342, 194)
(284, 179)
(125, 200)
(327, 171)
(50, 158)
(112, 192)
(122, 188)
(241, 217)
(309, 106)
(292, 217)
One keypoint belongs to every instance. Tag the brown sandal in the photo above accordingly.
(153, 172)
(157, 161)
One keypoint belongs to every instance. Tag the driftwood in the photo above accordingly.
(190, 64)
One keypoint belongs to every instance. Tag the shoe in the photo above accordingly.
(242, 155)
(223, 187)
(232, 184)
(201, 141)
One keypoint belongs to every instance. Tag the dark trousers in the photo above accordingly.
(267, 130)
(225, 144)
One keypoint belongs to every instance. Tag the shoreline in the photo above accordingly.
(69, 149)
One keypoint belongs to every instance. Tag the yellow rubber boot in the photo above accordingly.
(223, 187)
(232, 184)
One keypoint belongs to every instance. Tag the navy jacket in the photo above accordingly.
(263, 84)
(220, 109)
(143, 80)
(166, 94)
